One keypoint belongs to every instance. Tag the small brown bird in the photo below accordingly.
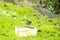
(28, 22)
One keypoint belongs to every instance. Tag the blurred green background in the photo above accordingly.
(14, 14)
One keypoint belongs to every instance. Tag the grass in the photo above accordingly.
(14, 15)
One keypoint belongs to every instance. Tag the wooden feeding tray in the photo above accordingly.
(25, 31)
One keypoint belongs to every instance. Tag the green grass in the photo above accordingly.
(50, 30)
